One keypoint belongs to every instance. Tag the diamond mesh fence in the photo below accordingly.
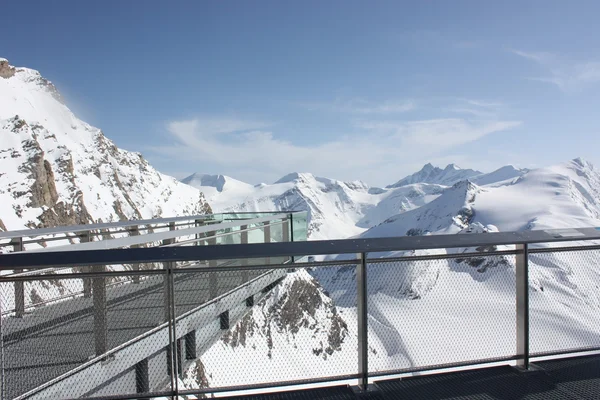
(427, 313)
(564, 300)
(87, 346)
(242, 328)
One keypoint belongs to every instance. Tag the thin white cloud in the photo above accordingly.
(439, 134)
(569, 76)
(482, 109)
(381, 149)
(483, 104)
(361, 106)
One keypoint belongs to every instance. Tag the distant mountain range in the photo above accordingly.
(341, 209)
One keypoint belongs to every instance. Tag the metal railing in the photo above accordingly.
(447, 301)
(165, 232)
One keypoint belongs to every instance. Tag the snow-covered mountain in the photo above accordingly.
(431, 312)
(334, 206)
(57, 170)
(430, 174)
(337, 209)
(500, 176)
(340, 209)
(562, 196)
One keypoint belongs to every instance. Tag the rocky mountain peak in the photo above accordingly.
(435, 175)
(57, 170)
(6, 70)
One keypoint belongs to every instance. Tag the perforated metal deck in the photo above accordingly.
(564, 379)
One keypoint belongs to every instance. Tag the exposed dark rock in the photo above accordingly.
(302, 298)
(201, 378)
(6, 70)
(295, 309)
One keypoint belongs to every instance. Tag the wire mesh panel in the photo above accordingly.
(88, 346)
(564, 299)
(427, 313)
(276, 326)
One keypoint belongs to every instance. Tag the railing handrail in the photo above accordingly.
(152, 237)
(102, 225)
(87, 256)
(118, 224)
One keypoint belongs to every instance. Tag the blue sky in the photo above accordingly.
(343, 89)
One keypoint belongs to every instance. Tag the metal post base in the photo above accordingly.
(532, 368)
(361, 391)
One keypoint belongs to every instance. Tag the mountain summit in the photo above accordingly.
(430, 174)
(57, 170)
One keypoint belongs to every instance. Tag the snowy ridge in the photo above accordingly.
(430, 174)
(501, 176)
(58, 170)
(334, 206)
(449, 213)
(341, 209)
(337, 209)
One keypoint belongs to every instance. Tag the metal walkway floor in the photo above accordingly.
(57, 338)
(570, 379)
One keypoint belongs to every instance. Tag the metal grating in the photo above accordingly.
(580, 375)
(501, 383)
(330, 393)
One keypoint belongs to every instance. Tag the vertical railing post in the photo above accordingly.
(17, 244)
(267, 237)
(86, 237)
(190, 346)
(244, 261)
(522, 303)
(362, 314)
(285, 233)
(142, 379)
(213, 279)
(291, 219)
(169, 265)
(169, 294)
(197, 223)
(100, 317)
(134, 231)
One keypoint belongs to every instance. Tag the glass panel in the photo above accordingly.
(300, 226)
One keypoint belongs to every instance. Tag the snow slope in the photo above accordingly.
(56, 170)
(501, 176)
